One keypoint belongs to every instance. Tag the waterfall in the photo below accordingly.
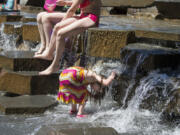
(7, 42)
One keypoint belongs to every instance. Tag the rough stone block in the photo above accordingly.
(127, 3)
(106, 3)
(13, 28)
(154, 29)
(10, 17)
(22, 61)
(31, 9)
(150, 57)
(107, 43)
(75, 130)
(30, 32)
(158, 34)
(26, 104)
(28, 83)
(36, 3)
(29, 18)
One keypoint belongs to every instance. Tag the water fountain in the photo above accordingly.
(143, 51)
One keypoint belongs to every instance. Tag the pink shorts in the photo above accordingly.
(93, 17)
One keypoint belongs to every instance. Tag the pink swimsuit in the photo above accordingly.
(93, 17)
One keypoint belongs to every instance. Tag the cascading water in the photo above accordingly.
(128, 119)
(131, 120)
(7, 42)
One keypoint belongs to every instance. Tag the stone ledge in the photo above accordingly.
(26, 104)
(30, 83)
(159, 34)
(10, 17)
(127, 3)
(107, 43)
(85, 129)
(22, 61)
(13, 28)
(30, 32)
(106, 3)
(29, 18)
(152, 57)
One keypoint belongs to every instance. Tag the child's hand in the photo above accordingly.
(113, 74)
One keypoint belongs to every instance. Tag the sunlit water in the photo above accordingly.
(130, 120)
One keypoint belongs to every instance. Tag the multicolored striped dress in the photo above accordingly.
(73, 86)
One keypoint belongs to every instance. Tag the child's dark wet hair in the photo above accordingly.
(99, 95)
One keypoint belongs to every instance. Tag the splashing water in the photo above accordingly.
(7, 42)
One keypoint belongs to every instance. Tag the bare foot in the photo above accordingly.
(45, 55)
(40, 51)
(49, 70)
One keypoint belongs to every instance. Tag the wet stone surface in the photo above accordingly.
(76, 129)
(13, 28)
(30, 83)
(26, 104)
(22, 61)
(10, 17)
(30, 32)
(150, 57)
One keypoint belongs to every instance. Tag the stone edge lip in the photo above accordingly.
(76, 129)
(26, 104)
(168, 1)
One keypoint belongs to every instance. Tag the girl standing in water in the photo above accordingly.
(73, 83)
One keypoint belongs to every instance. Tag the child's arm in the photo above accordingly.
(93, 77)
(64, 2)
(71, 11)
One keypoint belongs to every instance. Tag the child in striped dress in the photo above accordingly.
(73, 87)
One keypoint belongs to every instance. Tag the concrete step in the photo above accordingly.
(10, 17)
(116, 32)
(22, 61)
(29, 17)
(147, 57)
(107, 3)
(26, 104)
(30, 32)
(30, 83)
(13, 28)
(76, 129)
(32, 9)
(127, 3)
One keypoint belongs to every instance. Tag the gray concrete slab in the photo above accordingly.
(26, 104)
(22, 61)
(30, 83)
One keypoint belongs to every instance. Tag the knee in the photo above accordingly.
(56, 28)
(60, 35)
(40, 16)
(45, 18)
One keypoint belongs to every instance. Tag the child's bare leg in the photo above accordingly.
(48, 53)
(48, 21)
(72, 29)
(73, 107)
(81, 109)
(54, 67)
(41, 32)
